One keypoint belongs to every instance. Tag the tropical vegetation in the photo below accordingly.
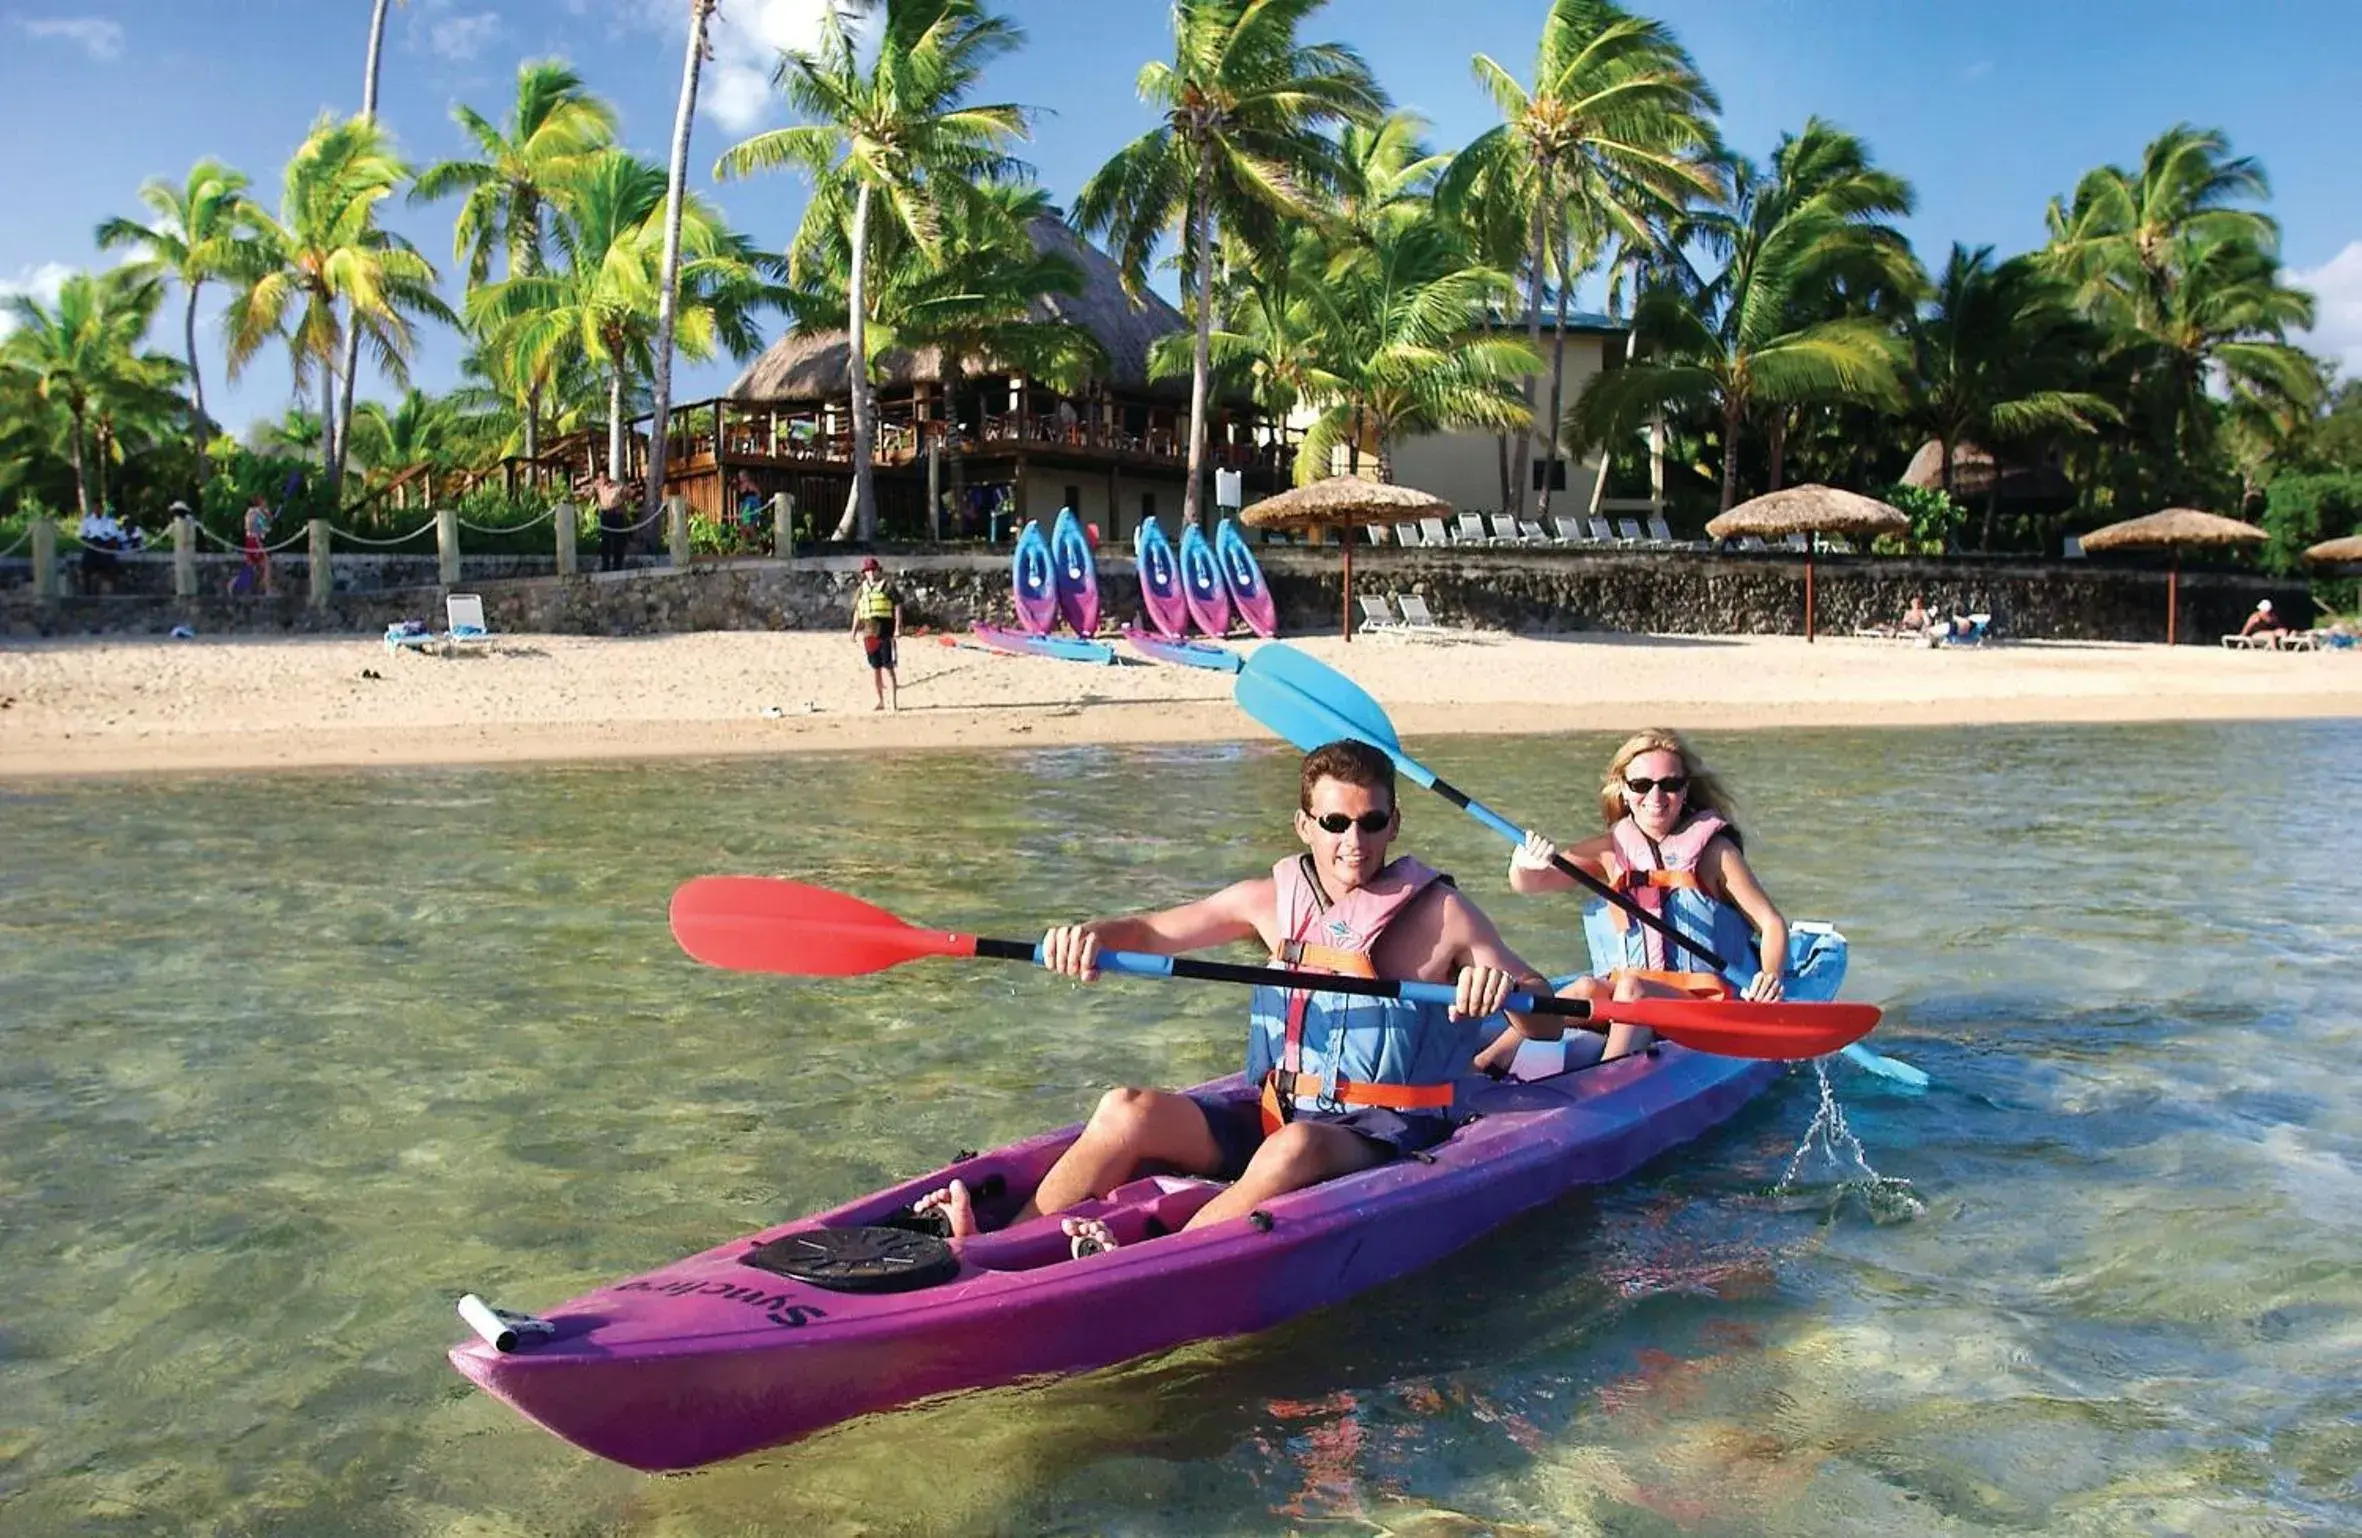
(1769, 321)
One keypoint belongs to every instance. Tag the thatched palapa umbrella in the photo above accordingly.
(2336, 552)
(2174, 529)
(1347, 502)
(1809, 510)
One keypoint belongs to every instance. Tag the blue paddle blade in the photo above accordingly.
(1331, 691)
(1886, 1067)
(1309, 723)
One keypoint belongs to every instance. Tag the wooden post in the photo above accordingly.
(568, 525)
(1348, 597)
(676, 523)
(1809, 540)
(184, 555)
(934, 487)
(323, 575)
(447, 546)
(2173, 595)
(783, 527)
(44, 557)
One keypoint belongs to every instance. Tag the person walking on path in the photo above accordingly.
(257, 528)
(877, 619)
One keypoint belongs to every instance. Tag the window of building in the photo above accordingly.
(1557, 473)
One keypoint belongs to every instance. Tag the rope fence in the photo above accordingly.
(351, 538)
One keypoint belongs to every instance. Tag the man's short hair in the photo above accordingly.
(1349, 763)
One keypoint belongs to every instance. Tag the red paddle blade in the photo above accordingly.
(1736, 1028)
(764, 924)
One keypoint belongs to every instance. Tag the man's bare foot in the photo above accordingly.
(1087, 1236)
(880, 705)
(956, 1206)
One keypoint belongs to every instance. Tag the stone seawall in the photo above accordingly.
(1676, 592)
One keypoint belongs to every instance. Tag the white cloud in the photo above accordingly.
(2336, 287)
(95, 35)
(461, 38)
(42, 282)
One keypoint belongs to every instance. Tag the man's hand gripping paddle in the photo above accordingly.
(763, 924)
(1310, 703)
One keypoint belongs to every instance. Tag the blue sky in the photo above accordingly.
(1989, 109)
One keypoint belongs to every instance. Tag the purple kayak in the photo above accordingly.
(1034, 586)
(1245, 579)
(725, 1353)
(1161, 602)
(1202, 586)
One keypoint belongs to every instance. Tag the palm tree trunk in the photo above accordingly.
(99, 461)
(200, 425)
(1557, 380)
(340, 417)
(331, 437)
(1533, 337)
(616, 468)
(1779, 447)
(1731, 413)
(1201, 218)
(1501, 449)
(81, 463)
(861, 515)
(667, 296)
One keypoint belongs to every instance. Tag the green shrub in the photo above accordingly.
(1936, 520)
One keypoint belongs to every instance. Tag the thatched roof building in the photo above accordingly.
(1974, 470)
(811, 365)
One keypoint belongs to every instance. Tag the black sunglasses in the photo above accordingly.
(1368, 822)
(1671, 784)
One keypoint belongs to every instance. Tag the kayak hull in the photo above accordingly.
(1057, 647)
(1188, 654)
(1076, 574)
(1249, 594)
(1034, 588)
(1161, 602)
(708, 1358)
(1202, 586)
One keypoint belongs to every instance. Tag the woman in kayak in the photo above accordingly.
(1671, 847)
(1346, 1081)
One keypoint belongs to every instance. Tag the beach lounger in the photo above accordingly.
(1801, 543)
(1601, 534)
(1660, 531)
(1752, 544)
(1433, 531)
(1407, 536)
(1532, 533)
(1628, 530)
(1419, 620)
(1507, 531)
(463, 617)
(406, 635)
(1570, 531)
(1377, 616)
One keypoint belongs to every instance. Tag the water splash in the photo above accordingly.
(1830, 1167)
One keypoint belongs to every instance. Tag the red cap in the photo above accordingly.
(869, 563)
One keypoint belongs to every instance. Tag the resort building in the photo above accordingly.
(965, 446)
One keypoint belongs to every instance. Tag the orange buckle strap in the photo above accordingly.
(1296, 953)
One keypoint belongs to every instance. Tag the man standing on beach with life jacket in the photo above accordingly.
(877, 619)
(1344, 1082)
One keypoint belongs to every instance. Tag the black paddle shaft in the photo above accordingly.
(1522, 1002)
(1582, 877)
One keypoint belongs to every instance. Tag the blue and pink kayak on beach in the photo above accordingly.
(788, 1331)
(1161, 601)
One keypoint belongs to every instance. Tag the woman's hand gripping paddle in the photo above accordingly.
(762, 924)
(1310, 703)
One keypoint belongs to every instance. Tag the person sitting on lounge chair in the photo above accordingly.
(2263, 626)
(1916, 618)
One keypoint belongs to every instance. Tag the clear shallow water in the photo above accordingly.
(288, 1062)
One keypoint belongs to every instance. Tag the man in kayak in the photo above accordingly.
(1346, 1082)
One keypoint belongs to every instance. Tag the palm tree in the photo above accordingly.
(199, 234)
(2188, 281)
(81, 356)
(324, 255)
(1993, 357)
(602, 303)
(700, 12)
(898, 140)
(1397, 355)
(352, 345)
(553, 126)
(1243, 150)
(1770, 329)
(1613, 136)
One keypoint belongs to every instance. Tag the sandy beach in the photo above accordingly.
(113, 706)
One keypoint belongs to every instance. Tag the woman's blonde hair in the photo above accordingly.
(1706, 793)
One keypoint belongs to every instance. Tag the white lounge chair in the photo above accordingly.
(1472, 530)
(1660, 531)
(1377, 616)
(1628, 530)
(1433, 531)
(1509, 531)
(1533, 533)
(2071, 548)
(406, 635)
(463, 618)
(1570, 531)
(1601, 534)
(1751, 544)
(1418, 619)
(1801, 543)
(1407, 536)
